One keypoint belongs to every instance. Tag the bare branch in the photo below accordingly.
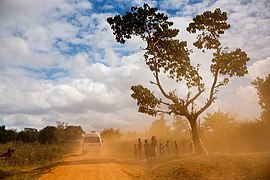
(165, 103)
(166, 112)
(151, 82)
(195, 97)
(162, 90)
(213, 89)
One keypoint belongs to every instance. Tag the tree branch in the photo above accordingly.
(151, 82)
(194, 98)
(162, 90)
(213, 89)
(161, 111)
(165, 103)
(200, 89)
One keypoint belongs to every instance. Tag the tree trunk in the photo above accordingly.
(198, 145)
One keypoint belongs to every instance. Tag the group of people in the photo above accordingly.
(151, 148)
(167, 148)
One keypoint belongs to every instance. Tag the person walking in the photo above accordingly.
(191, 147)
(161, 149)
(153, 148)
(146, 149)
(176, 147)
(139, 149)
(168, 148)
(135, 150)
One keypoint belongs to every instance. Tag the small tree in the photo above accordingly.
(7, 135)
(263, 89)
(48, 135)
(72, 133)
(28, 135)
(218, 123)
(60, 130)
(166, 54)
(159, 128)
(11, 135)
(111, 134)
(3, 134)
(180, 127)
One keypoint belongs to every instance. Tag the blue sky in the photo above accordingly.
(60, 62)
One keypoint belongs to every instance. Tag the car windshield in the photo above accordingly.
(91, 140)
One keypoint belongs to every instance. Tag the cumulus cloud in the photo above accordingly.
(259, 68)
(21, 121)
(173, 4)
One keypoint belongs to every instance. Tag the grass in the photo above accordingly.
(30, 159)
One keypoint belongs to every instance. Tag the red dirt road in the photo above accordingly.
(96, 168)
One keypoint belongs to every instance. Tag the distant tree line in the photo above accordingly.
(110, 134)
(50, 134)
(225, 132)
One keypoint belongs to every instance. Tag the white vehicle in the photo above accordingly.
(91, 143)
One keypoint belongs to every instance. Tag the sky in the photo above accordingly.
(59, 61)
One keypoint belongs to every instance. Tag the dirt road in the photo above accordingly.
(94, 168)
(214, 166)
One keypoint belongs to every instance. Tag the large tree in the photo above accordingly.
(263, 89)
(165, 54)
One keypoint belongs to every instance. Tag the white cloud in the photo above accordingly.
(21, 121)
(111, 57)
(248, 94)
(173, 4)
(259, 69)
(13, 49)
(84, 5)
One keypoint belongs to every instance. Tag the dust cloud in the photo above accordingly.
(236, 150)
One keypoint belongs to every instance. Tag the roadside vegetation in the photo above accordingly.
(34, 150)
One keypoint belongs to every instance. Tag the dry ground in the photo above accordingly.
(94, 167)
(215, 166)
(253, 166)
